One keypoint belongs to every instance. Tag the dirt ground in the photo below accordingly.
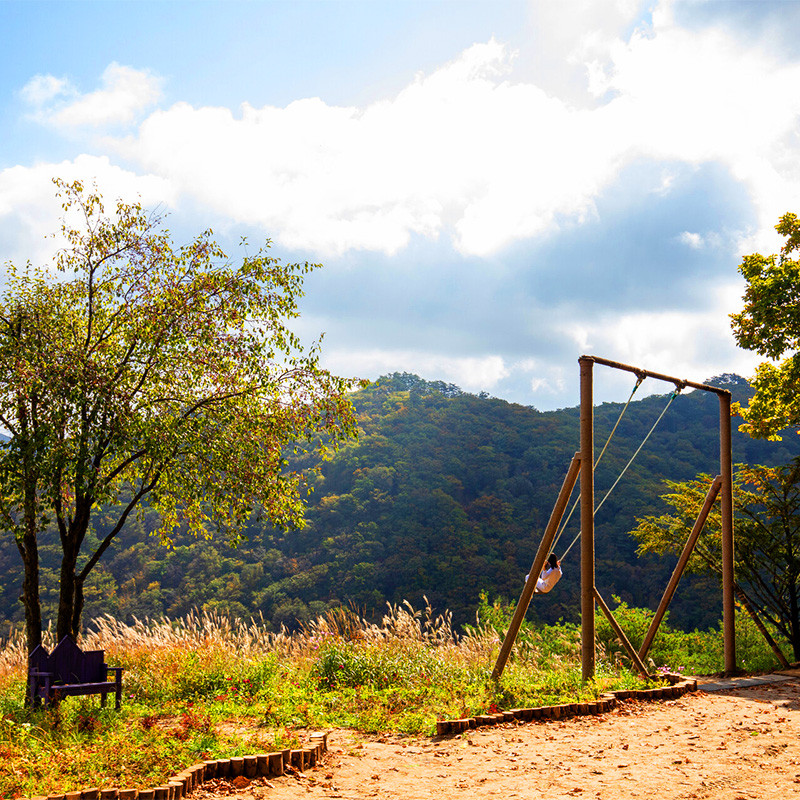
(734, 744)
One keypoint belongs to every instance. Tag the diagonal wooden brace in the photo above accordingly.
(621, 635)
(669, 592)
(538, 563)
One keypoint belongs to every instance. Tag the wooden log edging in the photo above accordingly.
(678, 686)
(182, 784)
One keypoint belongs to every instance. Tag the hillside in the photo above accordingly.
(445, 495)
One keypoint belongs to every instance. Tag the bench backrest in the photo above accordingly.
(70, 664)
(39, 660)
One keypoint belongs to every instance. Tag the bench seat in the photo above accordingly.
(69, 671)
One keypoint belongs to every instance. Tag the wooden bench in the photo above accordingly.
(68, 670)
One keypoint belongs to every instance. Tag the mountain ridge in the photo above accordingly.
(444, 496)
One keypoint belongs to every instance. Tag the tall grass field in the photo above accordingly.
(205, 687)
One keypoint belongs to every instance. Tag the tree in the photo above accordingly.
(767, 506)
(769, 324)
(138, 373)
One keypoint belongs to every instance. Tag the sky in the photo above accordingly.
(494, 187)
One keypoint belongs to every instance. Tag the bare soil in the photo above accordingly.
(734, 744)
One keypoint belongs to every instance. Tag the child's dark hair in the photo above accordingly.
(552, 562)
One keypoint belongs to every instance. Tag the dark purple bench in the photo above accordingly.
(68, 670)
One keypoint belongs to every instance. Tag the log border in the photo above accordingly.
(183, 783)
(678, 686)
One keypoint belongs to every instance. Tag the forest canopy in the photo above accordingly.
(444, 495)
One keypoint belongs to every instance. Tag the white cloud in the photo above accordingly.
(29, 210)
(125, 93)
(704, 96)
(461, 150)
(472, 374)
(467, 152)
(42, 89)
(548, 381)
(693, 240)
(685, 344)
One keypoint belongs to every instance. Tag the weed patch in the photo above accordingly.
(206, 687)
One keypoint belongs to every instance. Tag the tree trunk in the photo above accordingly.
(66, 595)
(29, 551)
(77, 608)
(30, 590)
(70, 599)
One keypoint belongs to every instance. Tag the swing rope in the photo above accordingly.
(640, 376)
(625, 468)
(644, 441)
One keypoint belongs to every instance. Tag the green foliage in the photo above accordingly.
(766, 505)
(546, 661)
(693, 652)
(353, 664)
(769, 324)
(138, 370)
(444, 495)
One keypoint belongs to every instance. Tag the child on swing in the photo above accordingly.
(551, 574)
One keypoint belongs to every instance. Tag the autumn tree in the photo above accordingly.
(141, 372)
(767, 507)
(769, 324)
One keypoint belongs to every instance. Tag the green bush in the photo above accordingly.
(694, 652)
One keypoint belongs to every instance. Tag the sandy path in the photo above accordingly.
(733, 745)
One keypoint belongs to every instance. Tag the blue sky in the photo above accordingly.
(494, 188)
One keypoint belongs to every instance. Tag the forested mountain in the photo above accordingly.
(446, 494)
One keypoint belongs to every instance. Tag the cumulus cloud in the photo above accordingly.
(702, 95)
(43, 89)
(124, 94)
(29, 209)
(468, 152)
(684, 343)
(693, 240)
(470, 373)
(444, 154)
(509, 173)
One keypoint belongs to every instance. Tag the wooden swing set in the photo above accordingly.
(721, 486)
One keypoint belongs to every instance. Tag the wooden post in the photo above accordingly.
(726, 497)
(669, 592)
(538, 563)
(587, 520)
(621, 635)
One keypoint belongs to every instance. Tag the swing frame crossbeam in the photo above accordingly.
(582, 467)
